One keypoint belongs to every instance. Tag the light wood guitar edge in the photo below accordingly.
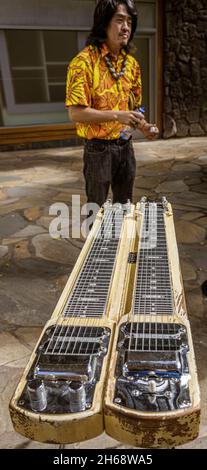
(180, 310)
(151, 431)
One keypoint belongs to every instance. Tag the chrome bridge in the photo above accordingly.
(152, 372)
(67, 367)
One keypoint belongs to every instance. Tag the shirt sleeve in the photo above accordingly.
(137, 86)
(78, 84)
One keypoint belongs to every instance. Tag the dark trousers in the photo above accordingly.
(109, 163)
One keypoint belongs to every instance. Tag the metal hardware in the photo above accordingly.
(132, 258)
(77, 397)
(152, 372)
(37, 395)
(117, 401)
(149, 361)
(66, 370)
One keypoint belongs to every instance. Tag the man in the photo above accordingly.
(103, 83)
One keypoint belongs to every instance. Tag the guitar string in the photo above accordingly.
(145, 266)
(140, 278)
(159, 268)
(152, 264)
(164, 275)
(166, 305)
(149, 297)
(151, 280)
(132, 319)
(155, 277)
(161, 304)
(143, 276)
(145, 260)
(160, 271)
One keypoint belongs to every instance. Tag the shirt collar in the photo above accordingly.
(105, 50)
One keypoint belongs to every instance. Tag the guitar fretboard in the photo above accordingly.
(89, 297)
(153, 293)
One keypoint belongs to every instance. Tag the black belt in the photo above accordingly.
(119, 141)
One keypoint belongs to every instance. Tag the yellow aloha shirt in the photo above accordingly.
(91, 84)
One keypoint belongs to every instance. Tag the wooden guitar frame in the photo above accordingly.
(134, 427)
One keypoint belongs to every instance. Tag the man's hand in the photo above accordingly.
(150, 131)
(130, 118)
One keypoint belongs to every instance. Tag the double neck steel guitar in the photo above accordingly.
(117, 353)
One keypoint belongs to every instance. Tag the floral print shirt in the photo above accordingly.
(91, 84)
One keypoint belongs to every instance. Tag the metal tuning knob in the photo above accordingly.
(77, 397)
(37, 395)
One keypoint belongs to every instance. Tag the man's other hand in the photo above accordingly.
(130, 118)
(150, 131)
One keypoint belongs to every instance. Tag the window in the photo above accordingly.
(34, 66)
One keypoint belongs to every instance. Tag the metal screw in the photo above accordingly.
(117, 400)
(186, 403)
(135, 393)
(21, 402)
(107, 333)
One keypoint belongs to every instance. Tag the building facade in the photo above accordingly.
(38, 38)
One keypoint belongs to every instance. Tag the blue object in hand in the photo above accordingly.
(141, 110)
(126, 133)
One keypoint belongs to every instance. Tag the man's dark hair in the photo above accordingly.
(104, 11)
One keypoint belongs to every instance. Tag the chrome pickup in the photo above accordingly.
(157, 362)
(69, 367)
(66, 369)
(152, 372)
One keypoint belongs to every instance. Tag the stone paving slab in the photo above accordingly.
(35, 268)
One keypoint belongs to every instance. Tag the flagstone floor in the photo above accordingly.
(34, 267)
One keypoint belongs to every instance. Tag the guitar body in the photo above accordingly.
(60, 396)
(57, 423)
(152, 396)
